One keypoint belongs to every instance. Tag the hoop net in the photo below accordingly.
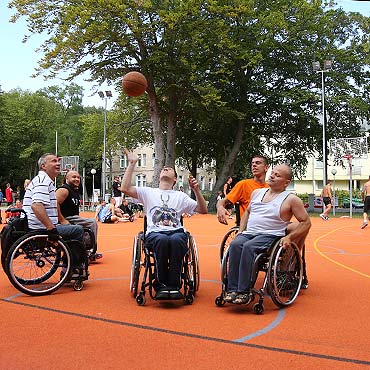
(348, 148)
(69, 163)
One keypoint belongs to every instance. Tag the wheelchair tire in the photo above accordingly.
(285, 274)
(137, 263)
(38, 267)
(227, 239)
(193, 266)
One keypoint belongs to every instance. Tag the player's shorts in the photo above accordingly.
(367, 204)
(326, 200)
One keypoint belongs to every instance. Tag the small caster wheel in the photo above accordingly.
(258, 308)
(140, 300)
(189, 299)
(219, 301)
(78, 285)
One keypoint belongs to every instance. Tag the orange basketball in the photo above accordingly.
(134, 84)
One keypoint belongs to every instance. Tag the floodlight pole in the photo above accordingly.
(327, 67)
(105, 96)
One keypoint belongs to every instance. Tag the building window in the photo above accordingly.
(153, 160)
(123, 161)
(140, 180)
(318, 164)
(202, 183)
(143, 160)
(318, 184)
(139, 160)
(210, 184)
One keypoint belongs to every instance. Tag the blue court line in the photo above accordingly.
(266, 329)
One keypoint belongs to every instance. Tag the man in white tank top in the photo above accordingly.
(266, 218)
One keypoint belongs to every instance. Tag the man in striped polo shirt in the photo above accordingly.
(40, 202)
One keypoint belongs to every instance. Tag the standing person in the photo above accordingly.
(9, 194)
(41, 207)
(226, 190)
(243, 189)
(327, 198)
(117, 194)
(266, 217)
(366, 199)
(68, 198)
(23, 191)
(165, 234)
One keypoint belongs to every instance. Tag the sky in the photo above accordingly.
(19, 60)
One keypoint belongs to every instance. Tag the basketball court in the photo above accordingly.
(102, 327)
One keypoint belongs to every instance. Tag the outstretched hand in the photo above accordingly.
(131, 157)
(193, 183)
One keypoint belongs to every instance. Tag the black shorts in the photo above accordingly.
(108, 220)
(367, 204)
(326, 200)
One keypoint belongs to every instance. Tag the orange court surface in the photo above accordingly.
(102, 327)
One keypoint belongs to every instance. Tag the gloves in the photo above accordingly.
(53, 235)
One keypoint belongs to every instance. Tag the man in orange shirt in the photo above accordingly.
(242, 191)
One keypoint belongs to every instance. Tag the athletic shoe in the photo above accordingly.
(323, 216)
(230, 297)
(364, 225)
(244, 298)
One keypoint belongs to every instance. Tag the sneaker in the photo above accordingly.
(364, 225)
(323, 217)
(230, 297)
(304, 284)
(243, 298)
(95, 256)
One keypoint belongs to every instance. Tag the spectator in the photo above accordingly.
(105, 213)
(9, 194)
(127, 212)
(117, 194)
(23, 191)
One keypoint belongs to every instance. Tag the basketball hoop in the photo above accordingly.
(348, 148)
(64, 171)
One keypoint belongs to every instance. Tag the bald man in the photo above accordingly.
(68, 198)
(267, 217)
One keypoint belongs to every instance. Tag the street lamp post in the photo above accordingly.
(333, 172)
(93, 172)
(317, 68)
(108, 94)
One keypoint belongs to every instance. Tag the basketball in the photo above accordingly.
(134, 84)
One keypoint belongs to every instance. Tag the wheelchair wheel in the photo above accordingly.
(137, 263)
(193, 266)
(284, 274)
(37, 267)
(227, 239)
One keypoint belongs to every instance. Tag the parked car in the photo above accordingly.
(356, 203)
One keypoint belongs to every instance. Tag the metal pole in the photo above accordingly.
(350, 186)
(334, 196)
(83, 188)
(104, 149)
(325, 178)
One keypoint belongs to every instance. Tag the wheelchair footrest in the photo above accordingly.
(168, 294)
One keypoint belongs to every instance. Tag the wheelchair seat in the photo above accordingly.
(283, 268)
(143, 268)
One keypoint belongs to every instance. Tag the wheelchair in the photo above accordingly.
(143, 269)
(36, 266)
(283, 268)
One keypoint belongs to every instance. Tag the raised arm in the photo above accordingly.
(202, 206)
(126, 185)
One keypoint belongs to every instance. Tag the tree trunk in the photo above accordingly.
(228, 166)
(171, 132)
(159, 146)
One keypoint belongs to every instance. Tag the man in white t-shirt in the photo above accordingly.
(165, 234)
